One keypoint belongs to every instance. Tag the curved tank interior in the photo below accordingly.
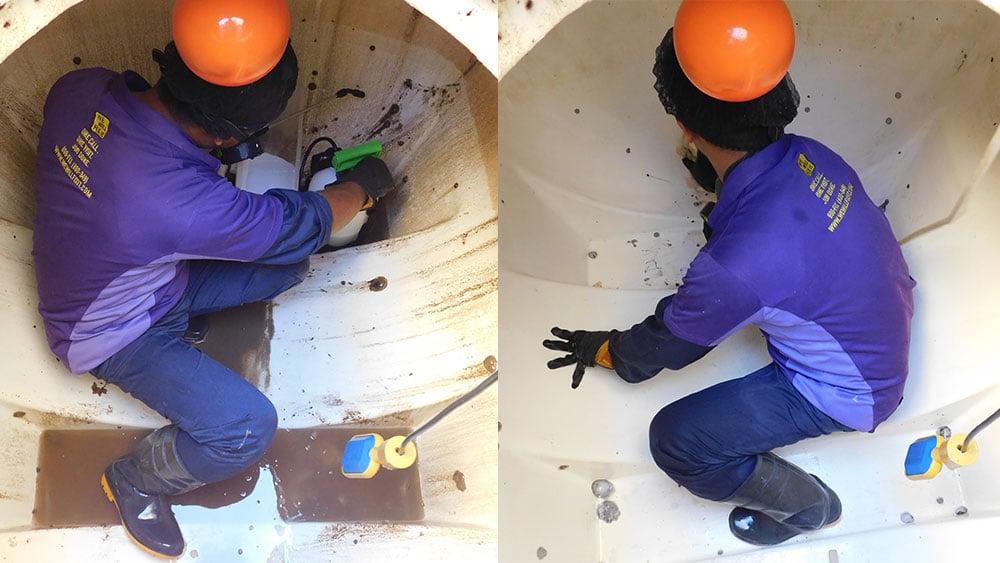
(599, 219)
(381, 334)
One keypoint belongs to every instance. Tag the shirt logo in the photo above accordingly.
(101, 124)
(804, 164)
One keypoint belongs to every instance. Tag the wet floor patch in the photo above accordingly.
(305, 463)
(302, 467)
(240, 339)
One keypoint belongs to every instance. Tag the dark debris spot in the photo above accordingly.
(371, 47)
(77, 61)
(459, 479)
(350, 92)
(378, 284)
(312, 86)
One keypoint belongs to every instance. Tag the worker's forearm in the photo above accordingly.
(649, 347)
(345, 199)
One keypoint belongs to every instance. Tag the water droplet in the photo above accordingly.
(608, 511)
(602, 488)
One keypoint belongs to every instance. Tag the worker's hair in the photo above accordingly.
(224, 111)
(747, 126)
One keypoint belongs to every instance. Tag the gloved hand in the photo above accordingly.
(586, 349)
(702, 171)
(372, 175)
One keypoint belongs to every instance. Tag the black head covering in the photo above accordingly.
(225, 111)
(746, 126)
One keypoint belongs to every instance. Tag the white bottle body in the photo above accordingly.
(349, 232)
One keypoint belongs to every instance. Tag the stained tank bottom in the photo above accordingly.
(297, 480)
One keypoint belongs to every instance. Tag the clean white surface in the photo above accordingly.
(589, 176)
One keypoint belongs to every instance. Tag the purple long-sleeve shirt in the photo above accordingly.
(123, 199)
(800, 251)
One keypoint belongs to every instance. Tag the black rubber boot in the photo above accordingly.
(197, 330)
(139, 485)
(780, 501)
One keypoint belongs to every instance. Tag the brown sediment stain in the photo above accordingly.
(389, 119)
(363, 530)
(99, 388)
(353, 416)
(304, 464)
(459, 478)
(240, 339)
(390, 124)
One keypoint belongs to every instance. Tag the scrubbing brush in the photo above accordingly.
(364, 454)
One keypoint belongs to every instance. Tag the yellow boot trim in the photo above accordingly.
(111, 497)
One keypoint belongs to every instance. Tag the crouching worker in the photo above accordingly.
(824, 280)
(136, 233)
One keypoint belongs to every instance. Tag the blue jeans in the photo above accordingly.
(225, 423)
(708, 441)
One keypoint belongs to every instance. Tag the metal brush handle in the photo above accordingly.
(447, 410)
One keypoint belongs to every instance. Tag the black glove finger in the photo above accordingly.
(561, 362)
(559, 345)
(578, 375)
(372, 175)
(562, 333)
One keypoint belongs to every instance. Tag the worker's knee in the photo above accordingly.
(249, 434)
(676, 446)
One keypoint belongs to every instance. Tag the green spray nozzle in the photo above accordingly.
(346, 159)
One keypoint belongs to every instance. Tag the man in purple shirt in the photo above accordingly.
(796, 248)
(136, 232)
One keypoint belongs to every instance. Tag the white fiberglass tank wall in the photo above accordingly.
(381, 334)
(599, 220)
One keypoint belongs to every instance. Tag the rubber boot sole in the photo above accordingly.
(111, 498)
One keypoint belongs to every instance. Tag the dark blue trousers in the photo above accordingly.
(225, 423)
(708, 441)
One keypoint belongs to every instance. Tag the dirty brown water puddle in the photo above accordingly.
(297, 480)
(302, 468)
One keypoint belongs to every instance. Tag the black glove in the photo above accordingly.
(372, 175)
(702, 171)
(582, 346)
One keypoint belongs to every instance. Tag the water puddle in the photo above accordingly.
(297, 480)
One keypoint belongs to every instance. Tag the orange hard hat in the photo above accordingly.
(231, 42)
(734, 50)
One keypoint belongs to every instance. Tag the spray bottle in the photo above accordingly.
(325, 173)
